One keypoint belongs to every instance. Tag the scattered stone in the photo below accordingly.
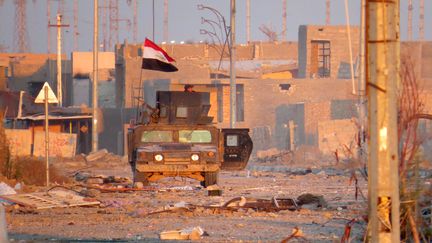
(96, 155)
(90, 193)
(18, 186)
(311, 200)
(214, 190)
(5, 189)
(322, 173)
(139, 185)
(194, 233)
(81, 176)
(94, 180)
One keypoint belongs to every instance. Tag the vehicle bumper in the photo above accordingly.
(177, 168)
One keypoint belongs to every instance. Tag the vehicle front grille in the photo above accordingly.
(177, 158)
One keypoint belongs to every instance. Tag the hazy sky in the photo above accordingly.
(185, 20)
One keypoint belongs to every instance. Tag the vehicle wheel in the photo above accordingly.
(141, 177)
(210, 178)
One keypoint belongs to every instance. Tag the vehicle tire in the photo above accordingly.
(210, 178)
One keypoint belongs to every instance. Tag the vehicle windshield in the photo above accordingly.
(195, 136)
(157, 136)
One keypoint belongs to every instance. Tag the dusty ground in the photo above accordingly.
(124, 216)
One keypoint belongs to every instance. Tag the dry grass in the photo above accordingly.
(29, 170)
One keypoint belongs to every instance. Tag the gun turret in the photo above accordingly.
(176, 107)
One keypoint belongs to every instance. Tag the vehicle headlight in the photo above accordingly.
(211, 154)
(158, 157)
(195, 157)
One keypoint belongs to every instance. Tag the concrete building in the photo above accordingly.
(288, 93)
(82, 69)
(324, 51)
(28, 72)
(285, 91)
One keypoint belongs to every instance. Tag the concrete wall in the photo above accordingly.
(21, 142)
(269, 104)
(339, 57)
(3, 78)
(337, 136)
(82, 64)
(27, 68)
(112, 134)
(255, 50)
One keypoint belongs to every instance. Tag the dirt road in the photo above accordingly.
(128, 216)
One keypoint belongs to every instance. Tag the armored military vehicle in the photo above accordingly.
(177, 138)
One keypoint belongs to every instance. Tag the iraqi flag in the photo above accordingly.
(155, 58)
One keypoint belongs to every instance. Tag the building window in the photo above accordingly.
(320, 59)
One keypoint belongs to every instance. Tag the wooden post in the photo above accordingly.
(46, 135)
(382, 68)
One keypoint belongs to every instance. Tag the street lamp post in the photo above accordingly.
(230, 40)
(233, 88)
(95, 140)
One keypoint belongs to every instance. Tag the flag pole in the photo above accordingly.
(139, 96)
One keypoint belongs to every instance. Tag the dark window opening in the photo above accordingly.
(284, 86)
(320, 59)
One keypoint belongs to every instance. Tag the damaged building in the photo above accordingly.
(289, 94)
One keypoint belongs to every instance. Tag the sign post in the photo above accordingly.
(46, 95)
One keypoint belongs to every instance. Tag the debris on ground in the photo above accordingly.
(296, 233)
(194, 233)
(311, 201)
(49, 199)
(214, 190)
(5, 189)
(178, 188)
(96, 155)
(267, 205)
(268, 154)
(87, 178)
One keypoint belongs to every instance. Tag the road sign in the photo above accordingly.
(40, 98)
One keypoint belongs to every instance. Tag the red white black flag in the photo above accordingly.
(155, 58)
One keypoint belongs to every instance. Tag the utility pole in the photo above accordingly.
(349, 46)
(233, 88)
(59, 62)
(383, 66)
(247, 21)
(362, 88)
(59, 25)
(410, 23)
(75, 11)
(113, 23)
(165, 34)
(48, 29)
(104, 25)
(327, 12)
(284, 19)
(95, 139)
(421, 20)
(135, 21)
(21, 35)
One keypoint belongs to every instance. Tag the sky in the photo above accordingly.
(185, 20)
